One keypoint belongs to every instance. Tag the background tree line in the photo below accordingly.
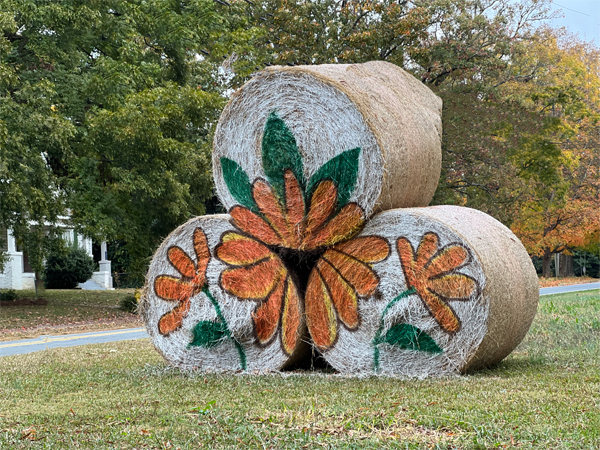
(107, 108)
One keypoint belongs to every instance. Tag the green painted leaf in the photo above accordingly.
(208, 334)
(280, 152)
(238, 183)
(342, 170)
(411, 338)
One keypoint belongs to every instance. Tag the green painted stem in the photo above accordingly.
(221, 318)
(377, 339)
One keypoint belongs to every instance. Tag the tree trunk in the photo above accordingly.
(546, 259)
(566, 266)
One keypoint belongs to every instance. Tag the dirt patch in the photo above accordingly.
(25, 301)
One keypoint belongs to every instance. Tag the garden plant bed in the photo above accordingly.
(25, 301)
(546, 394)
(66, 311)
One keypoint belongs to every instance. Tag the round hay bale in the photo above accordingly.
(220, 301)
(422, 292)
(365, 125)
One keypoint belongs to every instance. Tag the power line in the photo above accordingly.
(578, 12)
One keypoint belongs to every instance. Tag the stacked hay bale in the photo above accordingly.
(193, 319)
(374, 112)
(303, 157)
(457, 291)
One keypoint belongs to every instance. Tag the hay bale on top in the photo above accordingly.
(220, 301)
(455, 291)
(332, 110)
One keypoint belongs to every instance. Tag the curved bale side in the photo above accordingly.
(331, 111)
(205, 307)
(456, 291)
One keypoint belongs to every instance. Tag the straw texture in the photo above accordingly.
(204, 308)
(457, 291)
(303, 157)
(376, 110)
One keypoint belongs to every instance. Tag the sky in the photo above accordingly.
(581, 17)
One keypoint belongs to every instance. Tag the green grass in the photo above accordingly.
(122, 395)
(64, 308)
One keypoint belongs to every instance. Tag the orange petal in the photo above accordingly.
(407, 260)
(369, 249)
(320, 316)
(172, 320)
(202, 254)
(294, 202)
(270, 206)
(266, 316)
(427, 248)
(239, 250)
(442, 313)
(453, 287)
(322, 205)
(182, 262)
(447, 259)
(342, 294)
(355, 272)
(346, 224)
(172, 289)
(254, 225)
(290, 320)
(255, 281)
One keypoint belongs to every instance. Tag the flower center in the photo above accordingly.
(299, 264)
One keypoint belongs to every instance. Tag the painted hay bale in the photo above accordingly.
(422, 292)
(371, 127)
(220, 301)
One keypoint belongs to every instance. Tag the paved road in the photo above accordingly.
(70, 340)
(571, 288)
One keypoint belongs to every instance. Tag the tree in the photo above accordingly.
(107, 108)
(562, 216)
(462, 49)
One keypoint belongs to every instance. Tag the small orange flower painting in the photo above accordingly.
(181, 290)
(432, 272)
(342, 275)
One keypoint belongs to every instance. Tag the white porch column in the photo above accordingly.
(104, 276)
(14, 268)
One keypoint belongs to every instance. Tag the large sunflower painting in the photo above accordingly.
(295, 252)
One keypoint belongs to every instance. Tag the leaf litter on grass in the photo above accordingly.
(545, 395)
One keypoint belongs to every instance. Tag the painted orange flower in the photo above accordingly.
(181, 290)
(257, 274)
(342, 275)
(283, 223)
(432, 273)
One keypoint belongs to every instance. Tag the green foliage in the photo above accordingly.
(591, 262)
(208, 334)
(342, 170)
(66, 270)
(279, 153)
(129, 304)
(8, 296)
(409, 337)
(238, 183)
(108, 107)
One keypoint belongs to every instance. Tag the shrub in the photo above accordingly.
(129, 304)
(66, 270)
(8, 296)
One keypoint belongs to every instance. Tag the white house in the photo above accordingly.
(18, 274)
